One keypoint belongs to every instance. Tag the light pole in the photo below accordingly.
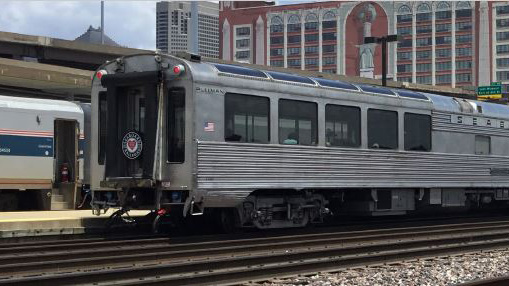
(382, 40)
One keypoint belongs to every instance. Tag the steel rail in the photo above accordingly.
(150, 250)
(270, 261)
(496, 281)
(77, 241)
(247, 268)
(110, 244)
(175, 255)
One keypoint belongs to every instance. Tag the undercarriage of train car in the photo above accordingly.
(279, 209)
(266, 209)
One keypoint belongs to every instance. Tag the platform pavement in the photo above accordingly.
(38, 223)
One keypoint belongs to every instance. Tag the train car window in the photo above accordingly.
(103, 123)
(291, 77)
(482, 145)
(298, 122)
(240, 70)
(176, 125)
(342, 126)
(382, 129)
(247, 118)
(417, 132)
(411, 94)
(335, 84)
(375, 89)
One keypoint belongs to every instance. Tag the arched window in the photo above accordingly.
(463, 10)
(311, 22)
(405, 14)
(423, 13)
(311, 17)
(463, 5)
(293, 24)
(276, 24)
(329, 15)
(443, 6)
(404, 9)
(423, 7)
(329, 20)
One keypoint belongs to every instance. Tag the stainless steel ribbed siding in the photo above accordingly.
(443, 122)
(253, 166)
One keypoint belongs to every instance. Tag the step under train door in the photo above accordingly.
(66, 167)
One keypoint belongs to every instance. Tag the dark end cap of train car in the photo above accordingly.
(131, 78)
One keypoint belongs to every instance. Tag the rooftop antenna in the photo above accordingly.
(102, 22)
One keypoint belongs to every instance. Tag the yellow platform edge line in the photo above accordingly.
(40, 219)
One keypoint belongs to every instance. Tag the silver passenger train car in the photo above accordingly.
(268, 149)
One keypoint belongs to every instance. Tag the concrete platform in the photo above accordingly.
(38, 223)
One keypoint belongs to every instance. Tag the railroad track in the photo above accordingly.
(498, 281)
(164, 261)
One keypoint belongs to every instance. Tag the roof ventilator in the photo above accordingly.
(465, 105)
(189, 56)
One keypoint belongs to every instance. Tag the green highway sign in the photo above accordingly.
(489, 90)
(496, 83)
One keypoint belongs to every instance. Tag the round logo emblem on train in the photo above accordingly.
(132, 145)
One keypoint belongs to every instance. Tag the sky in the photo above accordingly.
(129, 23)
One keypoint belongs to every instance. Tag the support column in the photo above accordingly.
(260, 53)
(338, 50)
(226, 41)
(414, 48)
(453, 45)
(433, 46)
(285, 41)
(384, 62)
(395, 50)
(269, 22)
(483, 68)
(320, 63)
(302, 38)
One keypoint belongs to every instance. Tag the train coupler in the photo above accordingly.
(119, 218)
(156, 223)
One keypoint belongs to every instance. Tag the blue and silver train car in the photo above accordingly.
(272, 149)
(41, 153)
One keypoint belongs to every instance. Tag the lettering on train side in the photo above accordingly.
(210, 90)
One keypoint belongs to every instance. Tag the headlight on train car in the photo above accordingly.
(178, 69)
(99, 74)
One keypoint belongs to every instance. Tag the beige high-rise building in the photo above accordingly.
(173, 29)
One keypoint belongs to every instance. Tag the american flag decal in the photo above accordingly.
(209, 127)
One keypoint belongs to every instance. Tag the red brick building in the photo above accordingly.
(443, 43)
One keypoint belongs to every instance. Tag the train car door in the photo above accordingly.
(131, 123)
(66, 164)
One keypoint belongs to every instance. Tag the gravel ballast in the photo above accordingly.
(438, 271)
